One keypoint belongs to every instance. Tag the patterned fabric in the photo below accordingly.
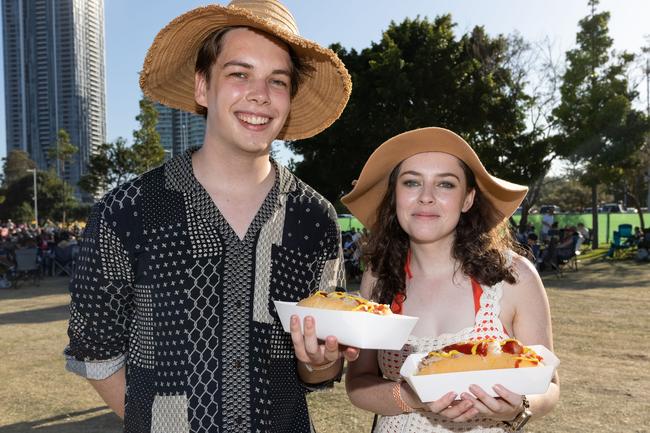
(166, 288)
(486, 325)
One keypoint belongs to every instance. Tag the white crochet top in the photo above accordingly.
(486, 325)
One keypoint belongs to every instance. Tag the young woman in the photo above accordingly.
(440, 249)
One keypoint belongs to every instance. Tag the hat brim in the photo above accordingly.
(169, 67)
(370, 188)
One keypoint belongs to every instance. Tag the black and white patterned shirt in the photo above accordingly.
(166, 288)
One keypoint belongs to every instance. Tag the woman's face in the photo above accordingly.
(430, 194)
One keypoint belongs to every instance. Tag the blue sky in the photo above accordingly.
(131, 26)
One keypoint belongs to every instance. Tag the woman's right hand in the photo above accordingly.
(446, 406)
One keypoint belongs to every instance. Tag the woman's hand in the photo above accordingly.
(455, 410)
(505, 407)
(312, 352)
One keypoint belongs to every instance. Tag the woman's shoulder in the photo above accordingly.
(527, 278)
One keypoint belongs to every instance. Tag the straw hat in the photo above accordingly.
(168, 72)
(369, 190)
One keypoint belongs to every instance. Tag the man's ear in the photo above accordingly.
(200, 89)
(469, 200)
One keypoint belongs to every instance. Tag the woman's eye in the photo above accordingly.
(410, 183)
(446, 184)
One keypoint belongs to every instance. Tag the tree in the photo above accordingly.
(569, 193)
(54, 198)
(110, 165)
(420, 75)
(147, 150)
(598, 128)
(16, 164)
(62, 152)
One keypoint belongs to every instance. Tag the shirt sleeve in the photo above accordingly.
(101, 301)
(333, 274)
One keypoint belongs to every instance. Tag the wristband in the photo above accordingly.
(310, 368)
(397, 396)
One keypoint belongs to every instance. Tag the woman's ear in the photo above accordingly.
(469, 200)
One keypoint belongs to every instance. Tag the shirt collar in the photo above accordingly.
(179, 175)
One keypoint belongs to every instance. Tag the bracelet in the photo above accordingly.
(397, 396)
(310, 368)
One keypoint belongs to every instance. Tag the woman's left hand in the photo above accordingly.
(505, 407)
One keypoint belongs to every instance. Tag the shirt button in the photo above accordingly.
(240, 419)
(239, 304)
(238, 363)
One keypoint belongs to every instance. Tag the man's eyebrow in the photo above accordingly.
(249, 66)
(238, 63)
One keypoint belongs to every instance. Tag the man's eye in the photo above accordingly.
(237, 74)
(280, 83)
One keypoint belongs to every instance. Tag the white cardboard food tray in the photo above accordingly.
(534, 380)
(353, 328)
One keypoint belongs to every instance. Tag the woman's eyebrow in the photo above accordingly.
(416, 173)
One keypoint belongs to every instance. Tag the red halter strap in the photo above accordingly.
(400, 297)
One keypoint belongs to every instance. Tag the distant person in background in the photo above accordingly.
(584, 231)
(532, 244)
(547, 224)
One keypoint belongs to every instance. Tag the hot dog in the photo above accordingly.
(479, 355)
(345, 302)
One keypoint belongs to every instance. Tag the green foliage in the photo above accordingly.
(421, 75)
(598, 127)
(16, 164)
(147, 150)
(62, 151)
(110, 165)
(55, 197)
(569, 194)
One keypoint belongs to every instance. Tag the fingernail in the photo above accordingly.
(452, 395)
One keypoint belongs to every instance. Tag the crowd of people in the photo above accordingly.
(51, 243)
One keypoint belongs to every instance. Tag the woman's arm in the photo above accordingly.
(368, 390)
(527, 316)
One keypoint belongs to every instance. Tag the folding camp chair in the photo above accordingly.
(27, 267)
(64, 260)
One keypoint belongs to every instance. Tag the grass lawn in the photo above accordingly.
(600, 318)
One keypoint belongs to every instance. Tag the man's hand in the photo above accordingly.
(321, 357)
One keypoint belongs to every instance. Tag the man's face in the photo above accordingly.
(249, 93)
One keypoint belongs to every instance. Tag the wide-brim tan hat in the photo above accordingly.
(168, 72)
(370, 188)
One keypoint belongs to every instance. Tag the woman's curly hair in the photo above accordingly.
(481, 245)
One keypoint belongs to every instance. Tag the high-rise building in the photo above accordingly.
(54, 78)
(179, 130)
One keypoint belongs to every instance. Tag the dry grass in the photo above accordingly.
(600, 318)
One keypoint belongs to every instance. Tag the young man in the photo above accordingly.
(172, 304)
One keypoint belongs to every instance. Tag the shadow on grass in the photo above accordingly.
(66, 423)
(49, 314)
(600, 274)
(46, 287)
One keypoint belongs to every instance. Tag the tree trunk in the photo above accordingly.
(637, 206)
(594, 216)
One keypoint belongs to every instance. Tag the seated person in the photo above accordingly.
(566, 248)
(584, 231)
(532, 244)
